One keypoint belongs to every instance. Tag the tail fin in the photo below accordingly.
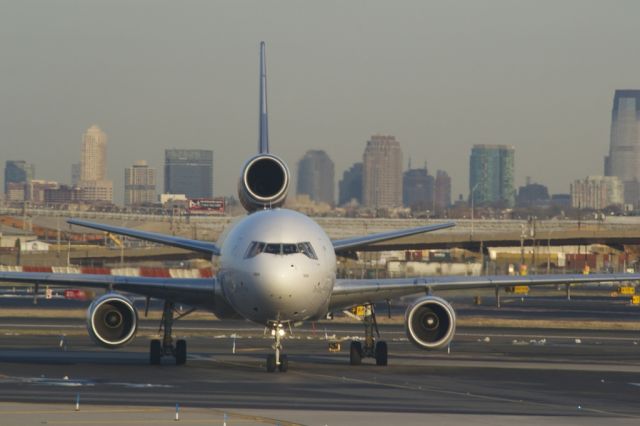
(263, 138)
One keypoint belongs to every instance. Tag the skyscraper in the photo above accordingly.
(417, 189)
(623, 160)
(316, 177)
(94, 185)
(189, 172)
(442, 192)
(491, 175)
(382, 172)
(350, 187)
(18, 171)
(93, 160)
(139, 184)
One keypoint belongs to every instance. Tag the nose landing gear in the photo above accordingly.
(277, 360)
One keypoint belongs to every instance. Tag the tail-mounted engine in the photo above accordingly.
(264, 183)
(430, 323)
(112, 320)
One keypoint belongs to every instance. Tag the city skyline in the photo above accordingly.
(455, 76)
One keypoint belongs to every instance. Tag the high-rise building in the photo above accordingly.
(597, 192)
(350, 187)
(93, 183)
(442, 192)
(93, 160)
(382, 172)
(75, 174)
(316, 177)
(189, 172)
(623, 160)
(491, 175)
(18, 171)
(139, 184)
(418, 189)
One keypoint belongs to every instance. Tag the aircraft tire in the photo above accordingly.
(181, 352)
(271, 363)
(381, 353)
(284, 364)
(155, 352)
(355, 353)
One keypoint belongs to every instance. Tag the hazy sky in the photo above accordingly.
(440, 76)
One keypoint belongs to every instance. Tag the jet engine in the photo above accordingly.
(264, 183)
(430, 323)
(112, 320)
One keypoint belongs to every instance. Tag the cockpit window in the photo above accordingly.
(289, 248)
(256, 247)
(307, 250)
(273, 248)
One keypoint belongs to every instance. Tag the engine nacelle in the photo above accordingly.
(112, 320)
(430, 323)
(264, 183)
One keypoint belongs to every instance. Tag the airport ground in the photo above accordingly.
(559, 369)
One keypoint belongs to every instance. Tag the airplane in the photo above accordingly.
(277, 268)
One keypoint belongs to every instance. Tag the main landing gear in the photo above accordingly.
(278, 359)
(165, 347)
(371, 348)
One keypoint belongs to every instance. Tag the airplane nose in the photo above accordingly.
(280, 280)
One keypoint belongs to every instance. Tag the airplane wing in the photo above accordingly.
(190, 291)
(349, 292)
(185, 243)
(347, 245)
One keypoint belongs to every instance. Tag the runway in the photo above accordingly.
(568, 376)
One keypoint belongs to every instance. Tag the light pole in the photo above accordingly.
(473, 190)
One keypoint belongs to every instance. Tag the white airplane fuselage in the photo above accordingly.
(277, 266)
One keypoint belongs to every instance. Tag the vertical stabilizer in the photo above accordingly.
(263, 138)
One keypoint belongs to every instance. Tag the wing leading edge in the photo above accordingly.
(190, 291)
(349, 292)
(351, 244)
(184, 243)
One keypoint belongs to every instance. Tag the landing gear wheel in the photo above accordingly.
(181, 352)
(271, 363)
(284, 364)
(381, 353)
(155, 352)
(355, 353)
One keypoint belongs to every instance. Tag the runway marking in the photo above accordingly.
(237, 418)
(90, 411)
(550, 336)
(67, 382)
